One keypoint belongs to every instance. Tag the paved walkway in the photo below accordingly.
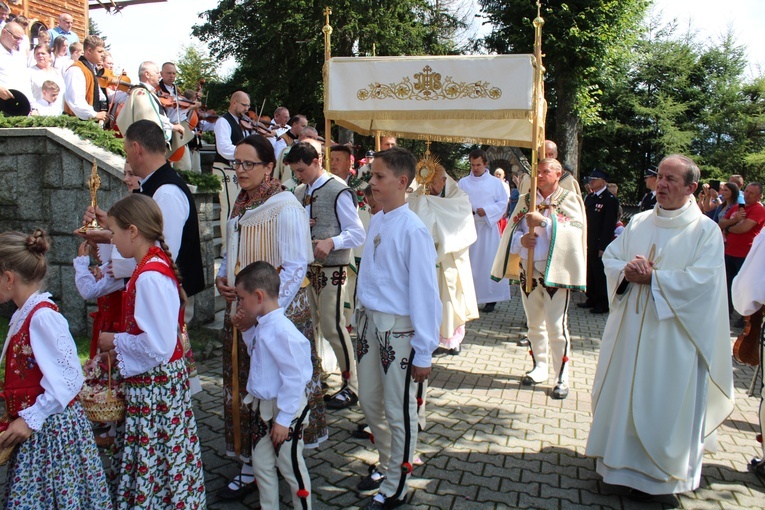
(491, 443)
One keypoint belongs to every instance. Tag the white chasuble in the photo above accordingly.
(450, 222)
(664, 379)
(486, 192)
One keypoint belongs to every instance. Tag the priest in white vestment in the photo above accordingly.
(489, 202)
(447, 214)
(664, 378)
(748, 294)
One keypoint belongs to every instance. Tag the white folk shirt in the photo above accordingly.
(87, 285)
(175, 211)
(156, 313)
(74, 93)
(542, 248)
(352, 230)
(56, 355)
(280, 364)
(38, 77)
(398, 277)
(223, 143)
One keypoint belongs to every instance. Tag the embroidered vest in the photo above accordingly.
(323, 203)
(131, 326)
(22, 373)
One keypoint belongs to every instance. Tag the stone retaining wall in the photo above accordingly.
(43, 174)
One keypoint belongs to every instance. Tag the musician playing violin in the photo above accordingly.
(145, 95)
(178, 108)
(228, 132)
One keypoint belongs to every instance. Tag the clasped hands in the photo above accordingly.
(639, 270)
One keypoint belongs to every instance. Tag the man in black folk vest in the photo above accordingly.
(335, 229)
(229, 132)
(145, 148)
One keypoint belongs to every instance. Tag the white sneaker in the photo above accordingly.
(536, 376)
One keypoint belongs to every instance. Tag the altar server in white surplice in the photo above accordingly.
(489, 201)
(664, 378)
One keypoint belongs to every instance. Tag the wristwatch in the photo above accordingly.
(543, 224)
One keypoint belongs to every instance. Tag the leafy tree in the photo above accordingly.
(194, 64)
(279, 46)
(581, 38)
(94, 30)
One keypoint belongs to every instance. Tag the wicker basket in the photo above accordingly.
(5, 453)
(112, 409)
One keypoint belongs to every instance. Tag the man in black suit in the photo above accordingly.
(649, 200)
(602, 213)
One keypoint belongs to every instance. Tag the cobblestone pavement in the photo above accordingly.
(491, 443)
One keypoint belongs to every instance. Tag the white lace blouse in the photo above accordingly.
(56, 355)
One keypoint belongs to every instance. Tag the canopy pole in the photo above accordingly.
(538, 129)
(377, 141)
(327, 30)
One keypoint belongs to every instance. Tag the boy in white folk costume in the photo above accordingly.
(280, 369)
(664, 379)
(559, 247)
(399, 317)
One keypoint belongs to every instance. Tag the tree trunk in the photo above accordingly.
(569, 127)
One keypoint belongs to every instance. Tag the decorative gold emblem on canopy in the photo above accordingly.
(428, 86)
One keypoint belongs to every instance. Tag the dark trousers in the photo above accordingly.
(597, 292)
(732, 267)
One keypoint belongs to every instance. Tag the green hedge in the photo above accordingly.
(87, 130)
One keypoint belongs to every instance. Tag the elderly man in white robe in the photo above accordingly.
(446, 212)
(748, 294)
(489, 202)
(664, 378)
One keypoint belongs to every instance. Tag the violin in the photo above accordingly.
(109, 80)
(746, 349)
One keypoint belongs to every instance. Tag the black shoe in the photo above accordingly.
(361, 433)
(560, 391)
(387, 505)
(599, 309)
(342, 399)
(441, 351)
(586, 304)
(370, 484)
(454, 352)
(756, 466)
(669, 500)
(488, 307)
(527, 381)
(242, 490)
(524, 342)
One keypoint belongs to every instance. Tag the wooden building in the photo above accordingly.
(44, 13)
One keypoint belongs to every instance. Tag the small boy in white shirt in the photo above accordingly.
(280, 369)
(47, 104)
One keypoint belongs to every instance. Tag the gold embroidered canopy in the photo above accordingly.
(473, 99)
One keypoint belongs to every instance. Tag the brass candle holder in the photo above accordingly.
(93, 182)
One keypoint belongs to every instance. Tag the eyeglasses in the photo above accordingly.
(247, 165)
(246, 105)
(15, 37)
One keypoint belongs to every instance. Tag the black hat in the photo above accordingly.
(651, 171)
(370, 154)
(17, 106)
(598, 174)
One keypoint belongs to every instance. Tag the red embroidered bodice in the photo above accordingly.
(22, 373)
(130, 325)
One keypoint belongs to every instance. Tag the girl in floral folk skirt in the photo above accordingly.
(161, 460)
(55, 463)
